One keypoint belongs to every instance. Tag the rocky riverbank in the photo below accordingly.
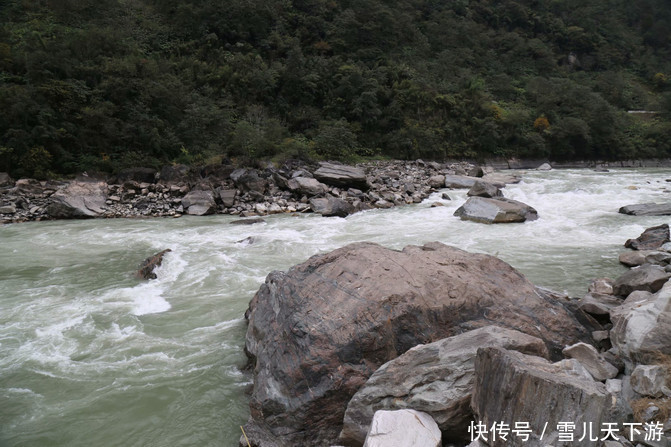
(434, 346)
(326, 188)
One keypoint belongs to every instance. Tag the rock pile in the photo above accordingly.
(327, 188)
(433, 340)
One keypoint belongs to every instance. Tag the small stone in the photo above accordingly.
(649, 380)
(591, 360)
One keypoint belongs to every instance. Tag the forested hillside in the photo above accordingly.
(105, 84)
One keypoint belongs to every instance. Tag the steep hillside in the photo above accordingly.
(107, 84)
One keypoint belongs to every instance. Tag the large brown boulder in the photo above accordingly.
(317, 332)
(78, 200)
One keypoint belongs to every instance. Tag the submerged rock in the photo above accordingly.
(500, 210)
(318, 332)
(147, 267)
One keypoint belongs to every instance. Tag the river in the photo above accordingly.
(90, 356)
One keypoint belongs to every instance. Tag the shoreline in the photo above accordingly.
(330, 189)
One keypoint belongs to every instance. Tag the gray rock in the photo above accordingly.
(574, 368)
(460, 181)
(512, 387)
(445, 196)
(306, 186)
(483, 210)
(436, 378)
(227, 196)
(642, 325)
(403, 428)
(501, 178)
(603, 286)
(544, 167)
(649, 380)
(590, 358)
(651, 239)
(649, 278)
(633, 258)
(330, 206)
(78, 200)
(199, 203)
(342, 176)
(437, 181)
(647, 209)
(248, 180)
(8, 209)
(598, 304)
(658, 258)
(484, 189)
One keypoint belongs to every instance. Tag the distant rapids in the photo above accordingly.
(90, 356)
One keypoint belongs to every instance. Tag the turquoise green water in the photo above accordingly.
(90, 356)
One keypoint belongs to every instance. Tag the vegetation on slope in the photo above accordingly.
(114, 83)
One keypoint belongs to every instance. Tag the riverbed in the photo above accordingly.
(91, 356)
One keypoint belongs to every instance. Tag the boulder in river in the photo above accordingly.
(78, 200)
(146, 270)
(484, 189)
(319, 331)
(342, 176)
(436, 378)
(651, 239)
(499, 210)
(647, 209)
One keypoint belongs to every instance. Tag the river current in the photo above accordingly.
(91, 356)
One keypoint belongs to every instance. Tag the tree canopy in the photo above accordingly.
(110, 84)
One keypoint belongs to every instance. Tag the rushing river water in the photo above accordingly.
(90, 356)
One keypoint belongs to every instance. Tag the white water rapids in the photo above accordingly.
(90, 356)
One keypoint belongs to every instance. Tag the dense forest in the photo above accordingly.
(107, 84)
